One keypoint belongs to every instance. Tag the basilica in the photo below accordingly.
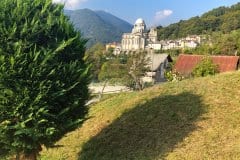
(140, 38)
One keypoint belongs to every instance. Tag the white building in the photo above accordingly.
(140, 38)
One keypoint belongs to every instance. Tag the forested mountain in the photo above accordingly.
(224, 19)
(98, 26)
(114, 21)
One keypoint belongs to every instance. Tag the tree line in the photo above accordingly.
(216, 43)
(125, 68)
(223, 19)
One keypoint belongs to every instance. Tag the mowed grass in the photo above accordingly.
(193, 119)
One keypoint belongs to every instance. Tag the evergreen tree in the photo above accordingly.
(43, 77)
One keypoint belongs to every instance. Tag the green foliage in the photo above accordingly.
(114, 72)
(96, 56)
(127, 69)
(218, 43)
(205, 68)
(173, 76)
(223, 19)
(138, 65)
(172, 52)
(43, 77)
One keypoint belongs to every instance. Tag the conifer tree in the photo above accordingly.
(43, 77)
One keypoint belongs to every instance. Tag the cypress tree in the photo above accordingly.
(43, 76)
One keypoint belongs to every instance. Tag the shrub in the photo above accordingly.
(173, 76)
(204, 68)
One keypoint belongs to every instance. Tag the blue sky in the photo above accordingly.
(154, 12)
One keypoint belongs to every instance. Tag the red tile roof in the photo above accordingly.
(186, 63)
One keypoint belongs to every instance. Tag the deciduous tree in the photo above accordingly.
(96, 56)
(138, 65)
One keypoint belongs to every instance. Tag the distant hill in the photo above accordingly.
(98, 26)
(224, 19)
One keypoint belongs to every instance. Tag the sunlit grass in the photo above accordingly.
(193, 119)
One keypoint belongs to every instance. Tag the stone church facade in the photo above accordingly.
(140, 38)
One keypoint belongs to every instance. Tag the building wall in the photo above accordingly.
(139, 38)
(155, 46)
(132, 42)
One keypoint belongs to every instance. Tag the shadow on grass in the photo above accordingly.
(148, 131)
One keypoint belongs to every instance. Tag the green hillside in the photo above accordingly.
(223, 19)
(98, 26)
(193, 119)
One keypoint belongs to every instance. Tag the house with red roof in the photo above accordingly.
(186, 63)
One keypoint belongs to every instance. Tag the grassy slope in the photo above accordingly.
(192, 119)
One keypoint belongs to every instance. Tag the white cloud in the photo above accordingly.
(160, 15)
(70, 4)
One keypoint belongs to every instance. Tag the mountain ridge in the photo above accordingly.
(98, 26)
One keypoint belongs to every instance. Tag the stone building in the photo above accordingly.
(140, 38)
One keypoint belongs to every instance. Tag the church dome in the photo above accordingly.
(139, 21)
(139, 26)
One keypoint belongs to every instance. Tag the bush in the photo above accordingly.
(204, 68)
(173, 76)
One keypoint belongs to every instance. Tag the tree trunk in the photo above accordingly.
(104, 85)
(138, 84)
(31, 156)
